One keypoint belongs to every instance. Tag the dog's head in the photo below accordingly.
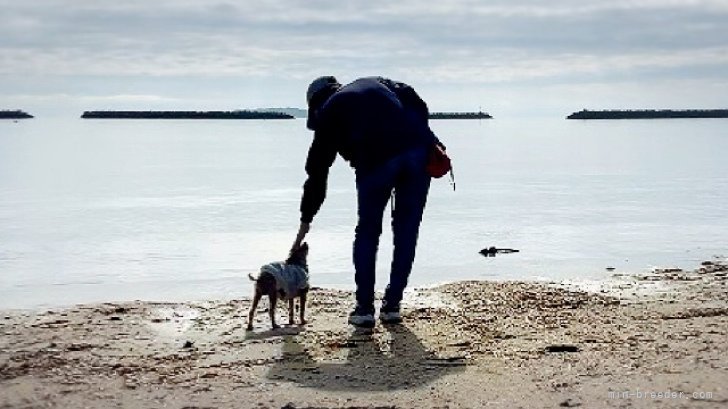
(299, 255)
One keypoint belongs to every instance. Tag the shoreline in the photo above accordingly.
(463, 344)
(592, 284)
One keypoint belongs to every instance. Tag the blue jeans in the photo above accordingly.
(404, 174)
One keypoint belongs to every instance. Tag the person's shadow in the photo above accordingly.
(394, 359)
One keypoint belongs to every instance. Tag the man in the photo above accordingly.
(381, 128)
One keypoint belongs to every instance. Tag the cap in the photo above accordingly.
(318, 92)
(319, 84)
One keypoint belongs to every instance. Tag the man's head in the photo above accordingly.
(318, 92)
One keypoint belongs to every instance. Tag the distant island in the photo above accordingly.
(243, 114)
(460, 115)
(649, 114)
(14, 114)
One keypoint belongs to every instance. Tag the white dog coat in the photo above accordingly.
(290, 278)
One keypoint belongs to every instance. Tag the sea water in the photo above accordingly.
(113, 210)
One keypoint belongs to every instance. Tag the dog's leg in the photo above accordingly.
(303, 306)
(273, 298)
(290, 311)
(256, 299)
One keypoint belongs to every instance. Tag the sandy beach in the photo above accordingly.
(646, 340)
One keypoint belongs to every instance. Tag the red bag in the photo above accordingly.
(438, 163)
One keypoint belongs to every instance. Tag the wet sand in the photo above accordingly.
(642, 341)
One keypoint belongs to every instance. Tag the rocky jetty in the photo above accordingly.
(184, 115)
(460, 115)
(649, 114)
(14, 114)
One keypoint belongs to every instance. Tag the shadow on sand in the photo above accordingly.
(285, 331)
(390, 360)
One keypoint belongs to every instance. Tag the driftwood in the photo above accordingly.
(492, 251)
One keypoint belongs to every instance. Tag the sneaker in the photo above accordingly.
(362, 317)
(390, 314)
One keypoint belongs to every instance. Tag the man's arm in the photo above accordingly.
(321, 156)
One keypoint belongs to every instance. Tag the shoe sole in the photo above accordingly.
(393, 317)
(363, 324)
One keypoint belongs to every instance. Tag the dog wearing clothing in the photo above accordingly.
(287, 280)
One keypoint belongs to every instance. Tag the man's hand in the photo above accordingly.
(302, 231)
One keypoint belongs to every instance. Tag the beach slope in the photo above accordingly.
(641, 341)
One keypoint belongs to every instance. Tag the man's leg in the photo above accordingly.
(373, 191)
(411, 191)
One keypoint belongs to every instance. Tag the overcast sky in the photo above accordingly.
(510, 57)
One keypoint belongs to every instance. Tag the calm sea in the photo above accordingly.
(94, 210)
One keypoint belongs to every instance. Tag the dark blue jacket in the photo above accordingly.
(367, 122)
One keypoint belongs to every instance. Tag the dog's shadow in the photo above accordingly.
(394, 359)
(284, 330)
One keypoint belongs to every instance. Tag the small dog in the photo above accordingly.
(286, 280)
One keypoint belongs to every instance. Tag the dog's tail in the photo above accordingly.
(251, 277)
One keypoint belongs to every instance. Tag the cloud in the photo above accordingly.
(98, 98)
(568, 67)
(272, 42)
(255, 38)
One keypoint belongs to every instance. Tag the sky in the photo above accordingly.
(512, 58)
